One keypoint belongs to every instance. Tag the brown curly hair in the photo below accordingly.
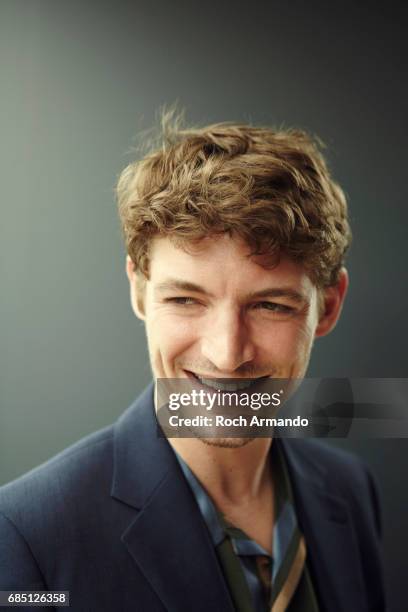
(272, 188)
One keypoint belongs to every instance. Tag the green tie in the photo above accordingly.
(234, 575)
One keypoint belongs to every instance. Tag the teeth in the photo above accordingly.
(219, 386)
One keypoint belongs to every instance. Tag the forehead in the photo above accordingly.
(222, 262)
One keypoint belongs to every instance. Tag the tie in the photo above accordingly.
(281, 596)
(289, 555)
(234, 575)
(288, 578)
(279, 579)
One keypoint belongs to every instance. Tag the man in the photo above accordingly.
(236, 237)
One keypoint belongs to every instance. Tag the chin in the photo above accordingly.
(227, 442)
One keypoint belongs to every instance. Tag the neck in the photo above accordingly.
(237, 475)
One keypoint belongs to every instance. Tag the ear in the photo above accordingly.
(137, 289)
(333, 299)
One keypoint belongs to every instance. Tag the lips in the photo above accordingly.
(225, 384)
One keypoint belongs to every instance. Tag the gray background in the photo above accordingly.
(79, 80)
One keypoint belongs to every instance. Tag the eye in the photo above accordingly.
(274, 307)
(183, 301)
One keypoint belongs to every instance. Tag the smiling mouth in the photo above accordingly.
(227, 384)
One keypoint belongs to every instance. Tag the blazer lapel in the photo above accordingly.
(332, 548)
(168, 538)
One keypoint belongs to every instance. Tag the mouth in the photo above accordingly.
(225, 384)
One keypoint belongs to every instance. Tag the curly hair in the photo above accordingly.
(272, 188)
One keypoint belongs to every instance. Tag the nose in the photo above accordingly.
(226, 341)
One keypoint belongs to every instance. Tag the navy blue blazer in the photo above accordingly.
(112, 520)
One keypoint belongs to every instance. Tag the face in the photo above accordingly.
(215, 312)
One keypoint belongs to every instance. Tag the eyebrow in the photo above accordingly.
(174, 284)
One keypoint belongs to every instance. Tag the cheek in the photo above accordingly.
(169, 336)
(303, 344)
(289, 343)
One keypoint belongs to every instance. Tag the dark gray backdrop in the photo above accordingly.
(78, 81)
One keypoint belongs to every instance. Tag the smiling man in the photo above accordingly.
(236, 237)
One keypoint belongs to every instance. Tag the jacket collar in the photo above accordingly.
(142, 458)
